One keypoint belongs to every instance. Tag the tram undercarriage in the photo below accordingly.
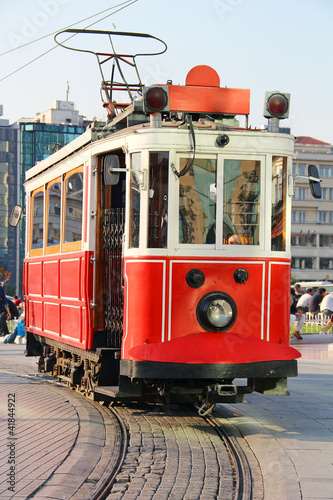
(101, 375)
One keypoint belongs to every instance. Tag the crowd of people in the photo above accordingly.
(301, 303)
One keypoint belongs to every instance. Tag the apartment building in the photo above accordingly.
(312, 220)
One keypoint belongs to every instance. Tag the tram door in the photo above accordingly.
(113, 225)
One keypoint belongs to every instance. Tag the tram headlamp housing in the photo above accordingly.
(155, 99)
(276, 105)
(216, 311)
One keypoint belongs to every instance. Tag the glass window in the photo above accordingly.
(37, 207)
(303, 240)
(197, 202)
(326, 240)
(322, 216)
(301, 169)
(326, 263)
(158, 200)
(241, 198)
(278, 229)
(301, 217)
(302, 263)
(301, 193)
(135, 201)
(53, 213)
(73, 207)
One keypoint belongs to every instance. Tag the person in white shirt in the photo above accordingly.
(303, 301)
(326, 306)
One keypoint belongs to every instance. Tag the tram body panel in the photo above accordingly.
(58, 293)
(161, 306)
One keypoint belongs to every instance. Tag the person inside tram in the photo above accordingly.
(229, 235)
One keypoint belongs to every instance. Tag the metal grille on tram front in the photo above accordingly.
(113, 297)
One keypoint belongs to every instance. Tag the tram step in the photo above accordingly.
(107, 390)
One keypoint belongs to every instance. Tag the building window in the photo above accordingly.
(301, 195)
(325, 171)
(331, 194)
(302, 263)
(303, 240)
(324, 193)
(325, 263)
(322, 217)
(293, 216)
(326, 240)
(301, 169)
(301, 217)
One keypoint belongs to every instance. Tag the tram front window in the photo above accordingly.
(197, 202)
(278, 225)
(158, 200)
(135, 201)
(241, 199)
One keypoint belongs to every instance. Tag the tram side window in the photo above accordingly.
(135, 201)
(53, 204)
(37, 208)
(158, 200)
(278, 225)
(73, 206)
(197, 202)
(241, 199)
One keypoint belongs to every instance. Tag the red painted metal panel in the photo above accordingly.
(144, 302)
(64, 316)
(279, 303)
(71, 323)
(219, 276)
(52, 318)
(70, 278)
(35, 315)
(35, 279)
(209, 100)
(208, 347)
(51, 278)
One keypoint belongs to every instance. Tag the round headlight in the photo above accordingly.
(216, 311)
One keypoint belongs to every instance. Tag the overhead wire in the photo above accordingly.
(127, 4)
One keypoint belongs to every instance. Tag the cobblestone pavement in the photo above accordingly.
(172, 454)
(54, 444)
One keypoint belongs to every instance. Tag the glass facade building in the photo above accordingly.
(9, 188)
(37, 142)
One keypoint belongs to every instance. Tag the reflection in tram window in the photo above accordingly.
(74, 200)
(54, 214)
(197, 202)
(241, 199)
(37, 219)
(158, 200)
(135, 201)
(278, 230)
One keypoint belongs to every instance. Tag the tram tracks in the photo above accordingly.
(174, 453)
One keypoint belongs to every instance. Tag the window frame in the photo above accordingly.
(54, 248)
(73, 245)
(34, 252)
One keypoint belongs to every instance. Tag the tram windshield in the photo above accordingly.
(200, 201)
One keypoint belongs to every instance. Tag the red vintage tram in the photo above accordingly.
(158, 249)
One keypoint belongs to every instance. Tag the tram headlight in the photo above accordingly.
(216, 311)
(155, 99)
(276, 105)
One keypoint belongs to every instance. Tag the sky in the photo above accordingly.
(262, 45)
